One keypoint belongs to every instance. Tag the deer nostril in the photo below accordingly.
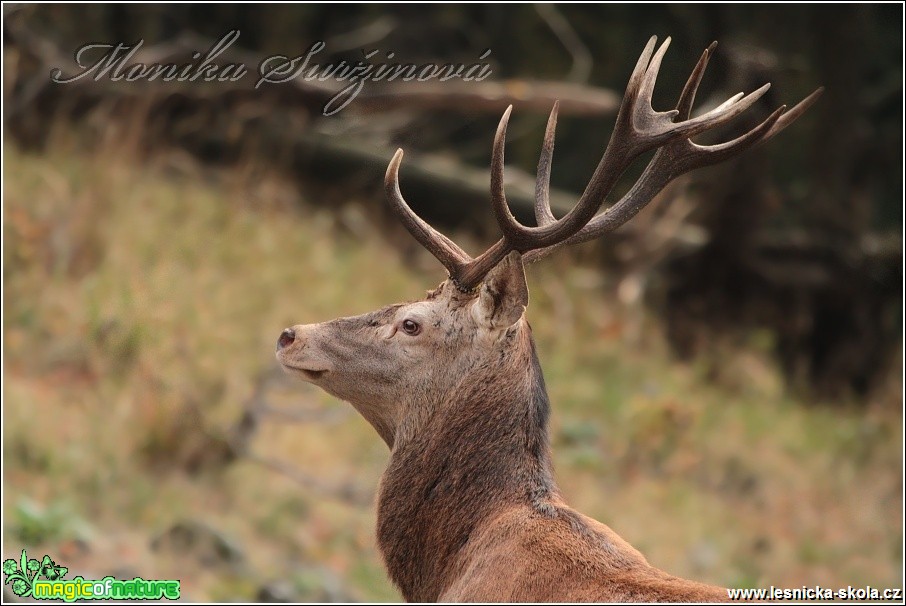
(286, 338)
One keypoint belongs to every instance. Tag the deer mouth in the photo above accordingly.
(313, 375)
(310, 374)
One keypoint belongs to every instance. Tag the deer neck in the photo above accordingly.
(483, 450)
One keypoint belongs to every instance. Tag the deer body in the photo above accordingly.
(468, 509)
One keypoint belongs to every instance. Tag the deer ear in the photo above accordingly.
(504, 294)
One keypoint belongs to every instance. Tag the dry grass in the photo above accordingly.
(141, 307)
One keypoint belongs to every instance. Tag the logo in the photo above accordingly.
(44, 580)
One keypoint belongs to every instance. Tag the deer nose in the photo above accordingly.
(286, 338)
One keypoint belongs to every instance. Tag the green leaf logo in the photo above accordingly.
(18, 575)
(21, 575)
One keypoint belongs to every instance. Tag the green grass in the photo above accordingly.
(142, 302)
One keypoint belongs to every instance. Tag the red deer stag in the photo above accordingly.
(468, 509)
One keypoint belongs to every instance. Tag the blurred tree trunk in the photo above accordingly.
(836, 206)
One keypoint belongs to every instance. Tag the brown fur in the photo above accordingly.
(470, 512)
(468, 509)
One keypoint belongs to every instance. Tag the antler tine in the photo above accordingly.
(687, 97)
(706, 155)
(543, 214)
(508, 224)
(638, 75)
(790, 116)
(720, 115)
(642, 112)
(445, 250)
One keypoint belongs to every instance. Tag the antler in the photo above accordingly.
(639, 128)
(672, 160)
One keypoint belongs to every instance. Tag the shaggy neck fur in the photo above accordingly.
(484, 448)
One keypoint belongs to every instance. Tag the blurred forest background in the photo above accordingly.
(725, 371)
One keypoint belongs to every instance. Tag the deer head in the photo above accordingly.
(452, 383)
(393, 363)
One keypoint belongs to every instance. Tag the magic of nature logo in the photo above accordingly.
(45, 580)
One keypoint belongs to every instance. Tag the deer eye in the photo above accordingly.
(411, 328)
